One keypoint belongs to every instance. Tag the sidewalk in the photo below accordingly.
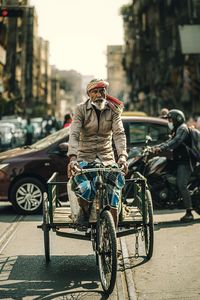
(173, 272)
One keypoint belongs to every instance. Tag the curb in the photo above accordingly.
(132, 295)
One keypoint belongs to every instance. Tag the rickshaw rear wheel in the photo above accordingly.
(107, 251)
(46, 228)
(148, 226)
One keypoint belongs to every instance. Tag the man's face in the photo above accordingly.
(98, 97)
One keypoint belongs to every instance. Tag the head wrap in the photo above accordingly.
(96, 84)
(114, 103)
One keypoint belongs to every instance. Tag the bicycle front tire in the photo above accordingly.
(107, 251)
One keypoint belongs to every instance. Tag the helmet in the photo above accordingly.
(177, 117)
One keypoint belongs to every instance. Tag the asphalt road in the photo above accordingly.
(174, 270)
(71, 274)
(172, 273)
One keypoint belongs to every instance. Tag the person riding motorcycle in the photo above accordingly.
(178, 142)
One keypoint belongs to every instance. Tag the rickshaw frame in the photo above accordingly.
(56, 218)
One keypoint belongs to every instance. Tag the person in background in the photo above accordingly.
(29, 132)
(163, 113)
(184, 162)
(95, 122)
(67, 120)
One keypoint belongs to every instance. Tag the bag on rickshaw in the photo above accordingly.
(72, 200)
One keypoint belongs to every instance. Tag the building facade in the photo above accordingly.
(155, 62)
(25, 72)
(115, 72)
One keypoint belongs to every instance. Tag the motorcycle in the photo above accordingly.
(160, 173)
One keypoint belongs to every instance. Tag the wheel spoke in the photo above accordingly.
(22, 191)
(36, 193)
(27, 205)
(21, 200)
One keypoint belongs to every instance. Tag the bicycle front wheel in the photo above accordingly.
(107, 251)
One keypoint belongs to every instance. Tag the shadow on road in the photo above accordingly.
(7, 213)
(168, 211)
(174, 223)
(66, 277)
(6, 208)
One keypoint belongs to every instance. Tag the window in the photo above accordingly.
(136, 133)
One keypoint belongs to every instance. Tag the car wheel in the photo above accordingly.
(26, 195)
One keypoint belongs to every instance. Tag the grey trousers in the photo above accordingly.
(183, 176)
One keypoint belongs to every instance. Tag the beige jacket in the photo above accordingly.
(89, 140)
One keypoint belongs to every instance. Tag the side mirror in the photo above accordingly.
(63, 147)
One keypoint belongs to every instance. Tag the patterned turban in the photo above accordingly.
(96, 84)
(114, 103)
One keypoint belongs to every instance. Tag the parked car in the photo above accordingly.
(25, 171)
(7, 136)
(138, 127)
(18, 131)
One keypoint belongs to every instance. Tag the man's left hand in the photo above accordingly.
(156, 149)
(123, 163)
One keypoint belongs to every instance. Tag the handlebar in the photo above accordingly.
(142, 152)
(147, 150)
(98, 169)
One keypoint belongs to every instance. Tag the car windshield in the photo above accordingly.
(52, 139)
(138, 132)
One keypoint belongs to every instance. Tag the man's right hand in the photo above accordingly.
(71, 169)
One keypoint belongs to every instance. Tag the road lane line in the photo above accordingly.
(9, 232)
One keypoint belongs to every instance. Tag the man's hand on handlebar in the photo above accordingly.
(123, 163)
(72, 167)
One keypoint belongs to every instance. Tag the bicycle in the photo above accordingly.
(102, 232)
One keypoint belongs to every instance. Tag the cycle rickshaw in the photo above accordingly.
(135, 217)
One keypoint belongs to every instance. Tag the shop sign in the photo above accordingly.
(190, 41)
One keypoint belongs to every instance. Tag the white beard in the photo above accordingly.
(100, 105)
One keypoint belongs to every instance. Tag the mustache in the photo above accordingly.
(99, 100)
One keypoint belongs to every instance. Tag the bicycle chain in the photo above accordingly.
(136, 245)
